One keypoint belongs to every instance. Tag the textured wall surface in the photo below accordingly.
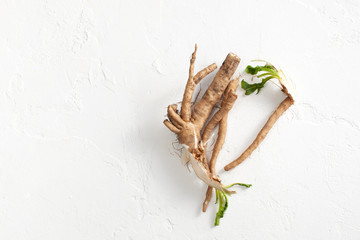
(84, 87)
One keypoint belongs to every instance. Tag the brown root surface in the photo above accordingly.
(223, 123)
(187, 124)
(221, 135)
(226, 105)
(208, 196)
(204, 107)
(283, 106)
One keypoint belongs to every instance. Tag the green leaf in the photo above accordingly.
(269, 72)
(250, 88)
(218, 214)
(254, 70)
(240, 184)
(223, 205)
(223, 201)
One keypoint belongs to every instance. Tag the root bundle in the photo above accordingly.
(189, 122)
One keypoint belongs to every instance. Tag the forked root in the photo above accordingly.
(191, 84)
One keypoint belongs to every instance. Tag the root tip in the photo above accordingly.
(205, 204)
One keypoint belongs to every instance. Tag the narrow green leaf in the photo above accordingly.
(254, 70)
(272, 74)
(223, 202)
(219, 212)
(223, 205)
(240, 184)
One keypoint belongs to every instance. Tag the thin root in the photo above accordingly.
(220, 139)
(171, 127)
(284, 105)
(189, 90)
(203, 73)
(207, 198)
(174, 117)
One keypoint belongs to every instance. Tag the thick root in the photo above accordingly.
(203, 108)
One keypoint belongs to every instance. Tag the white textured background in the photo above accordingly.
(84, 87)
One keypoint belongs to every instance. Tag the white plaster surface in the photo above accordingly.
(84, 87)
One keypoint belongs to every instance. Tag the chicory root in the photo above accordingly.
(188, 123)
(269, 72)
(231, 88)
